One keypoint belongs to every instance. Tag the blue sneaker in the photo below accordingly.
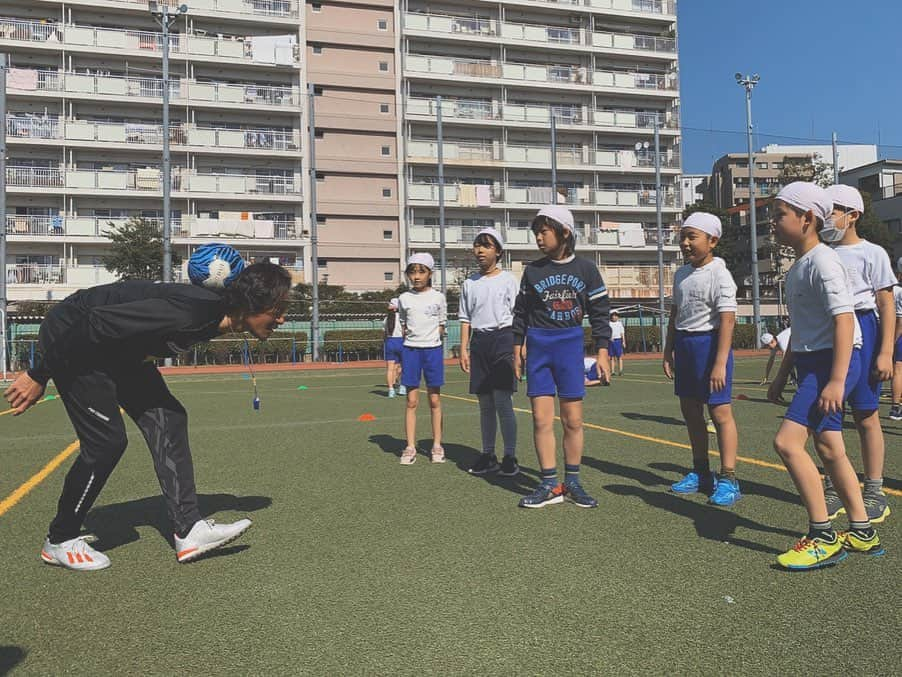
(692, 483)
(574, 492)
(542, 496)
(726, 492)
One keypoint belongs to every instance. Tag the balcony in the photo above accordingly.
(49, 274)
(456, 234)
(662, 8)
(635, 281)
(539, 115)
(25, 81)
(55, 128)
(34, 226)
(286, 9)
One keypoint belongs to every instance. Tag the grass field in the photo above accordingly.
(356, 564)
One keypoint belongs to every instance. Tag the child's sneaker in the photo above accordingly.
(438, 454)
(402, 390)
(391, 392)
(485, 464)
(74, 554)
(576, 494)
(710, 427)
(205, 536)
(876, 506)
(542, 496)
(861, 541)
(726, 492)
(834, 503)
(408, 456)
(692, 483)
(895, 412)
(813, 553)
(509, 466)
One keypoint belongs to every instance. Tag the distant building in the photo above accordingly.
(692, 188)
(850, 155)
(882, 180)
(729, 182)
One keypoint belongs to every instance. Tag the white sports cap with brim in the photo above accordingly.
(766, 339)
(846, 196)
(705, 222)
(492, 233)
(808, 197)
(393, 303)
(560, 214)
(423, 258)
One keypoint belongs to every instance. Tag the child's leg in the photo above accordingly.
(873, 449)
(504, 406)
(694, 414)
(572, 420)
(435, 410)
(390, 374)
(410, 416)
(487, 422)
(790, 445)
(727, 437)
(543, 433)
(897, 382)
(832, 450)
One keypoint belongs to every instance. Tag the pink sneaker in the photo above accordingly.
(438, 454)
(408, 456)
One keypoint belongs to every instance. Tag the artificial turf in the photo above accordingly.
(357, 565)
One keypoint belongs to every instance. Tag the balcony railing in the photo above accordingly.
(497, 195)
(635, 281)
(35, 273)
(189, 226)
(267, 8)
(640, 6)
(24, 80)
(421, 232)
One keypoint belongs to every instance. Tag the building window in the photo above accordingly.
(387, 235)
(383, 108)
(321, 263)
(320, 176)
(383, 66)
(318, 133)
(389, 277)
(320, 219)
(316, 7)
(777, 165)
(386, 150)
(386, 192)
(382, 24)
(761, 165)
(317, 49)
(317, 91)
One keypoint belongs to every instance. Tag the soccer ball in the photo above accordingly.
(214, 265)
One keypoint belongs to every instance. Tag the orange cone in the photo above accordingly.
(366, 417)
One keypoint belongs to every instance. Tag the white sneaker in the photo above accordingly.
(74, 554)
(402, 390)
(205, 536)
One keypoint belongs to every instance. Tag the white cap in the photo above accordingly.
(423, 258)
(393, 303)
(808, 197)
(493, 233)
(766, 339)
(560, 214)
(705, 222)
(846, 196)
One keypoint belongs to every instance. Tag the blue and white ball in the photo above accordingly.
(214, 265)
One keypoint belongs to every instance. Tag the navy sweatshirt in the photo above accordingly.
(125, 322)
(558, 295)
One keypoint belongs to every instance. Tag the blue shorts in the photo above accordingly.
(693, 355)
(813, 370)
(592, 373)
(898, 355)
(554, 363)
(615, 348)
(865, 395)
(393, 348)
(420, 362)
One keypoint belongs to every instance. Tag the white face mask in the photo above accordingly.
(830, 234)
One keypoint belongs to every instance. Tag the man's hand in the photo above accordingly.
(603, 365)
(23, 393)
(465, 361)
(883, 367)
(718, 379)
(668, 364)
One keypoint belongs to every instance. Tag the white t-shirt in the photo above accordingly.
(817, 289)
(783, 339)
(617, 330)
(897, 295)
(398, 331)
(422, 313)
(869, 270)
(487, 302)
(701, 294)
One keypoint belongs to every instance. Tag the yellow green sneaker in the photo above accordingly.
(813, 553)
(859, 541)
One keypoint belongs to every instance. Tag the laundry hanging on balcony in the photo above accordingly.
(275, 49)
(483, 196)
(22, 78)
(467, 195)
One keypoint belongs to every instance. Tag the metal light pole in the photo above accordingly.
(3, 65)
(553, 158)
(441, 193)
(748, 82)
(314, 228)
(166, 17)
(659, 199)
(835, 160)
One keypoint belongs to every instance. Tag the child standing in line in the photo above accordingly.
(394, 345)
(871, 275)
(699, 357)
(895, 412)
(823, 348)
(615, 349)
(486, 351)
(556, 293)
(423, 312)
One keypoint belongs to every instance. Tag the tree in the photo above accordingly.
(872, 229)
(812, 169)
(137, 250)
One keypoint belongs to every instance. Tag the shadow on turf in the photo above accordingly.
(117, 524)
(667, 420)
(10, 657)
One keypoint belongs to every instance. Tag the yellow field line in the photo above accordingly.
(658, 440)
(9, 411)
(37, 478)
(662, 383)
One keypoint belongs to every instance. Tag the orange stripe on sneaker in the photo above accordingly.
(185, 552)
(71, 558)
(88, 557)
(79, 558)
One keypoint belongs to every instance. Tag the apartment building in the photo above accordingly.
(729, 182)
(882, 181)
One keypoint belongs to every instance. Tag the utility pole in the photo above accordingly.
(553, 158)
(314, 238)
(835, 160)
(748, 82)
(3, 66)
(441, 194)
(659, 198)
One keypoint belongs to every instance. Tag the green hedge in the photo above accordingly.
(353, 344)
(743, 338)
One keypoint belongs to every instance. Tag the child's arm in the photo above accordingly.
(465, 347)
(831, 399)
(519, 325)
(770, 364)
(775, 391)
(443, 317)
(668, 345)
(886, 307)
(718, 378)
(599, 310)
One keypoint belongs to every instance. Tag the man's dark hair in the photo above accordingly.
(259, 287)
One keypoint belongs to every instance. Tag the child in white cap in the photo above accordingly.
(698, 356)
(487, 349)
(871, 274)
(780, 342)
(824, 350)
(393, 347)
(895, 412)
(423, 312)
(556, 293)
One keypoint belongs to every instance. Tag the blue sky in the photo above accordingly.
(825, 65)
